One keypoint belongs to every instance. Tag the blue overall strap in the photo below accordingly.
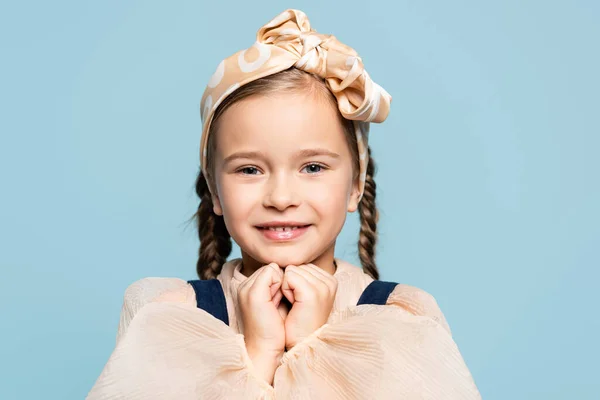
(376, 293)
(210, 298)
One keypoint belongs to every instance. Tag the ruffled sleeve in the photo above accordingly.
(169, 349)
(401, 350)
(419, 303)
(147, 290)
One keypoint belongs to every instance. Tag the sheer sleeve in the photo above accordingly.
(419, 303)
(169, 349)
(401, 350)
(146, 290)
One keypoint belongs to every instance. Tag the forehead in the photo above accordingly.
(280, 122)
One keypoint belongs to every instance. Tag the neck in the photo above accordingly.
(325, 261)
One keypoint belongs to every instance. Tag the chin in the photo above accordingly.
(283, 260)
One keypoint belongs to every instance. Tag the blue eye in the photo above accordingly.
(249, 170)
(313, 168)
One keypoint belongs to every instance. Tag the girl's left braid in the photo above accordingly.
(369, 217)
(215, 241)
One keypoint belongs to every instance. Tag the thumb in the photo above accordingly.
(293, 284)
(287, 287)
(276, 280)
(268, 281)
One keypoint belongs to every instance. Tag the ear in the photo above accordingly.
(353, 200)
(217, 208)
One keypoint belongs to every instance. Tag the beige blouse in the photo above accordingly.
(167, 348)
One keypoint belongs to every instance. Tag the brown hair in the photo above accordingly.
(215, 241)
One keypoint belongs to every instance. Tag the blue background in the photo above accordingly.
(487, 182)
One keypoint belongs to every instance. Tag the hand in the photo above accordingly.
(311, 292)
(264, 332)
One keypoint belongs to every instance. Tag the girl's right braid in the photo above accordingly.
(369, 217)
(215, 241)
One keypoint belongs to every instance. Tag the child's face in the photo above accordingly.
(282, 181)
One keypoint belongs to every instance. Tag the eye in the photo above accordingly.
(248, 170)
(314, 168)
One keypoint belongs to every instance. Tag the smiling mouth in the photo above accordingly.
(283, 233)
(282, 228)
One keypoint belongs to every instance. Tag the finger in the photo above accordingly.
(251, 279)
(325, 276)
(317, 283)
(296, 284)
(265, 278)
(277, 268)
(277, 298)
(275, 288)
(269, 275)
(315, 271)
(287, 288)
(276, 285)
(283, 309)
(287, 291)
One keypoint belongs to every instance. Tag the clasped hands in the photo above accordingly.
(269, 328)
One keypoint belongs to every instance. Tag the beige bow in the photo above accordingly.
(286, 41)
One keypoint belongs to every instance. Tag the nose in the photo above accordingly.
(281, 192)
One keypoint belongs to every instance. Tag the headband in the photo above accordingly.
(289, 41)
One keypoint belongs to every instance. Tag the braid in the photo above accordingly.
(369, 216)
(215, 242)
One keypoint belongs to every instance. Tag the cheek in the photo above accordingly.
(330, 200)
(238, 201)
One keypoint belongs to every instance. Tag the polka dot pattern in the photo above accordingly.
(215, 79)
(288, 40)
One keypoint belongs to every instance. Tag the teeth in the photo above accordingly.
(283, 228)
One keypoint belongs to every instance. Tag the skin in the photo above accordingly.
(283, 180)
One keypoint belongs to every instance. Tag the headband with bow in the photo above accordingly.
(288, 41)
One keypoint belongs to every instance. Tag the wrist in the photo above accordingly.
(295, 336)
(264, 352)
(298, 341)
(264, 362)
(263, 347)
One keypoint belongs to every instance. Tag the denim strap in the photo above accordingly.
(376, 293)
(210, 298)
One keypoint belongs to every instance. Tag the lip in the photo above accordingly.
(283, 236)
(281, 224)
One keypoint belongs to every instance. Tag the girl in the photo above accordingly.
(284, 157)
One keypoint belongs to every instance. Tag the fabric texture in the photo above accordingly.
(167, 348)
(289, 41)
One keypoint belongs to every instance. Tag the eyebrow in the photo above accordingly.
(300, 154)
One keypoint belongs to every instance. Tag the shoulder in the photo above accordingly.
(349, 272)
(417, 302)
(412, 299)
(150, 289)
(352, 281)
